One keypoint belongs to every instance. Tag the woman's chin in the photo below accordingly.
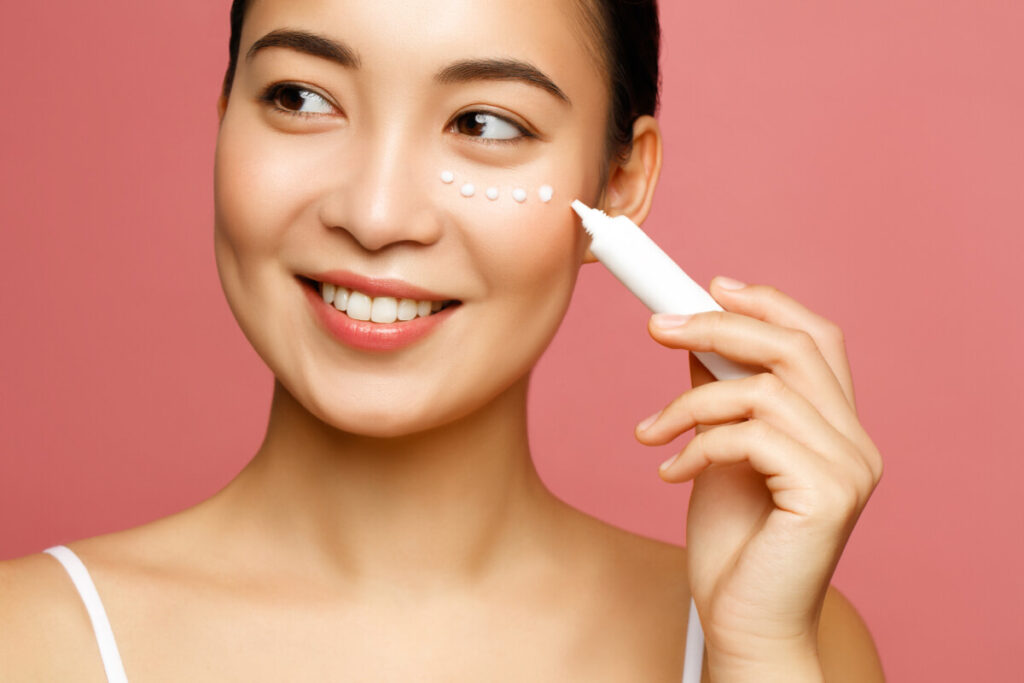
(383, 421)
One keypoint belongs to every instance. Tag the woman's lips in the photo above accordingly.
(367, 335)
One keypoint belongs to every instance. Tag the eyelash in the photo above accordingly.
(272, 92)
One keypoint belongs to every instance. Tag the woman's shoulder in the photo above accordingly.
(845, 645)
(629, 554)
(636, 570)
(45, 632)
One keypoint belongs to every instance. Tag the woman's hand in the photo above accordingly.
(782, 470)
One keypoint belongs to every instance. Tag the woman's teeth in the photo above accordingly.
(381, 309)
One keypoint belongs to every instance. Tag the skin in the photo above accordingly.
(392, 525)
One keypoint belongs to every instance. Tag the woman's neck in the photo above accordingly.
(449, 505)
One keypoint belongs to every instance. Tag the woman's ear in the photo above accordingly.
(222, 105)
(631, 183)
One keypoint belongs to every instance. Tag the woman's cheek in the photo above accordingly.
(259, 192)
(520, 224)
(263, 183)
(526, 248)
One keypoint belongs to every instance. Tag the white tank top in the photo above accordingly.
(115, 669)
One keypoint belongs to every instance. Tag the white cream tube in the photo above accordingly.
(652, 276)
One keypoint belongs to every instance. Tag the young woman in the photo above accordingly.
(394, 237)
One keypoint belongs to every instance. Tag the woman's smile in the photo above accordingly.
(380, 309)
(374, 314)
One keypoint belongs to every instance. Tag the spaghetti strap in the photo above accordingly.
(100, 625)
(694, 660)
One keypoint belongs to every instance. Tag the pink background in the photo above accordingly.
(868, 160)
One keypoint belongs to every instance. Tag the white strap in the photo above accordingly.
(100, 625)
(694, 660)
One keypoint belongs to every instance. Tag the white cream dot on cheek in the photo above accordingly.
(447, 177)
(492, 193)
(546, 192)
(519, 194)
(468, 190)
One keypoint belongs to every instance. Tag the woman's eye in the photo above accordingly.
(296, 100)
(488, 126)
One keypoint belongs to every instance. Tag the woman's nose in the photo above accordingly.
(383, 199)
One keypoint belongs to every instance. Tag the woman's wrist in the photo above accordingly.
(795, 664)
(764, 672)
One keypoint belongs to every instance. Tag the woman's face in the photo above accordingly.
(332, 167)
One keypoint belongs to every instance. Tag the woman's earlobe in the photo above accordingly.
(222, 105)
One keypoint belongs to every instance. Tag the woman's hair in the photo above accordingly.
(629, 37)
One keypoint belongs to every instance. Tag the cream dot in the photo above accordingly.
(519, 194)
(447, 177)
(546, 192)
(468, 190)
(492, 193)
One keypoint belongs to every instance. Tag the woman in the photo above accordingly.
(393, 235)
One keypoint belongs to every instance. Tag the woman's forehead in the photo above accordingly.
(434, 33)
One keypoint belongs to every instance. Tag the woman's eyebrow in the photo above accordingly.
(459, 72)
(501, 70)
(308, 43)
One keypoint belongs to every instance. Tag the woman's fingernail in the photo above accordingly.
(649, 421)
(668, 463)
(728, 283)
(667, 321)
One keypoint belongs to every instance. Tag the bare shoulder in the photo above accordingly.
(642, 560)
(639, 578)
(643, 588)
(845, 645)
(44, 627)
(45, 630)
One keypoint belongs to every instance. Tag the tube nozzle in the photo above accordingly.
(580, 208)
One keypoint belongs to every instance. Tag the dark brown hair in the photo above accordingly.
(630, 40)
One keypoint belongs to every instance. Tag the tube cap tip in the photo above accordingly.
(580, 208)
